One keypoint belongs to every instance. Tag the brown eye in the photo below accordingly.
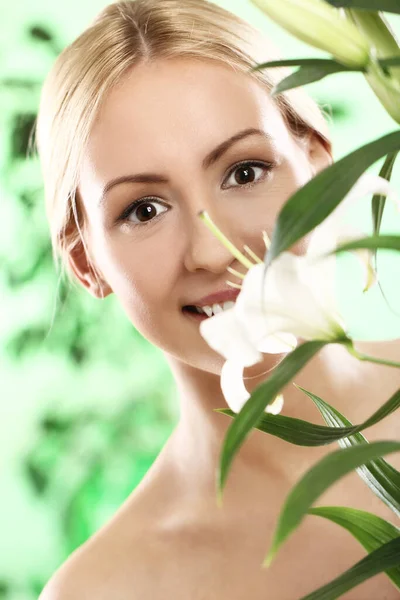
(143, 209)
(245, 173)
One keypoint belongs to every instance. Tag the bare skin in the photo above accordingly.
(169, 539)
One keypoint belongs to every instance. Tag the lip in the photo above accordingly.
(195, 316)
(217, 297)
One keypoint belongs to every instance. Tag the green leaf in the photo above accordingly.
(348, 344)
(253, 409)
(378, 200)
(378, 206)
(389, 242)
(304, 433)
(369, 529)
(311, 69)
(318, 479)
(382, 559)
(380, 476)
(391, 6)
(306, 75)
(313, 202)
(304, 62)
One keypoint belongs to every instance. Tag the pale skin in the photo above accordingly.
(169, 539)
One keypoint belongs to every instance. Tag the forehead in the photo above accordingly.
(174, 110)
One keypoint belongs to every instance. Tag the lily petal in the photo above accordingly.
(225, 334)
(235, 392)
(232, 385)
(276, 406)
(278, 343)
(288, 305)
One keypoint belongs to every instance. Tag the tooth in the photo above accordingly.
(208, 310)
(229, 304)
(217, 308)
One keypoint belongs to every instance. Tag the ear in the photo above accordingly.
(80, 265)
(319, 153)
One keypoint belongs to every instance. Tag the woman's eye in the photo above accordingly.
(244, 173)
(144, 210)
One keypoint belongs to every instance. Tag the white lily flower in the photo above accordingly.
(298, 298)
(228, 337)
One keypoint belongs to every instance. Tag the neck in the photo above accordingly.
(354, 387)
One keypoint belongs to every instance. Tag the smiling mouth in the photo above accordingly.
(193, 312)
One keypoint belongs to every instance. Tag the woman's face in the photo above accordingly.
(164, 120)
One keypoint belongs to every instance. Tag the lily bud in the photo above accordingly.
(376, 28)
(386, 86)
(317, 23)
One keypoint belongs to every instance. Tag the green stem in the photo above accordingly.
(390, 363)
(204, 216)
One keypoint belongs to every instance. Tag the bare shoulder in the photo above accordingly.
(109, 565)
(387, 349)
(118, 560)
(73, 579)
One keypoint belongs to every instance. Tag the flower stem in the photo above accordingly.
(390, 363)
(252, 254)
(240, 275)
(266, 239)
(234, 285)
(219, 235)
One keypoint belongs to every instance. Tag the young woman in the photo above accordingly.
(149, 116)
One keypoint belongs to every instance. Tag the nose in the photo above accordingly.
(204, 250)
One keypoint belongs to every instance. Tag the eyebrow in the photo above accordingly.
(208, 161)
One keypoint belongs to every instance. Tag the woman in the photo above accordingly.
(164, 89)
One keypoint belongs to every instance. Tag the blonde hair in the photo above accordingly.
(121, 36)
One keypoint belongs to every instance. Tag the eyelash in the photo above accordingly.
(268, 166)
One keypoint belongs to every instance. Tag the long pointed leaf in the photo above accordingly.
(368, 529)
(311, 69)
(378, 200)
(253, 409)
(388, 242)
(380, 476)
(317, 480)
(382, 559)
(313, 202)
(305, 75)
(304, 62)
(379, 5)
(304, 433)
(378, 206)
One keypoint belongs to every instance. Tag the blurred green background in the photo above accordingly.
(87, 403)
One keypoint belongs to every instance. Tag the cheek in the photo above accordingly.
(140, 287)
(141, 276)
(296, 171)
